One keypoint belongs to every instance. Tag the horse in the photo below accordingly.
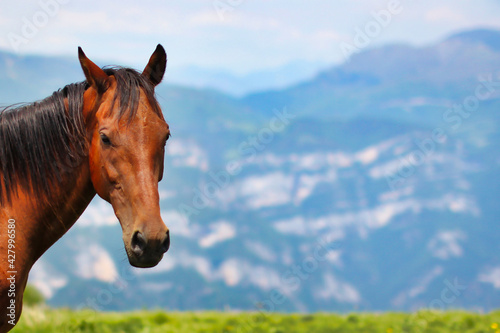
(105, 135)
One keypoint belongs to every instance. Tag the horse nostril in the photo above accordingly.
(166, 243)
(138, 243)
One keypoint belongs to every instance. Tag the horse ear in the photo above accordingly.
(156, 66)
(96, 77)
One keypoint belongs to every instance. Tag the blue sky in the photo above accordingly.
(237, 35)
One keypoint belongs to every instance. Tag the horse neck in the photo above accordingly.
(74, 195)
(44, 222)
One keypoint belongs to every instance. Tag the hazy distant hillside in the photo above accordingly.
(372, 163)
(384, 81)
(22, 76)
(25, 79)
(243, 84)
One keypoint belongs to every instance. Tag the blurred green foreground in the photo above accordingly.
(44, 319)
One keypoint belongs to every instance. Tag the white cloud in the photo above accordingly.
(395, 195)
(220, 231)
(307, 184)
(254, 35)
(261, 191)
(375, 217)
(444, 14)
(234, 20)
(424, 282)
(231, 272)
(158, 287)
(98, 213)
(235, 271)
(94, 262)
(260, 250)
(165, 194)
(179, 224)
(295, 226)
(187, 154)
(418, 288)
(368, 155)
(491, 276)
(333, 288)
(46, 279)
(446, 244)
(313, 168)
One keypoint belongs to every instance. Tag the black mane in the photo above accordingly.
(42, 141)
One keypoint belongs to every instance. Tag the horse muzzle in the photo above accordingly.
(146, 251)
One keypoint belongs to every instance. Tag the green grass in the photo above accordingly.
(42, 319)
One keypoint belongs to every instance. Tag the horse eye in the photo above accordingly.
(166, 139)
(105, 139)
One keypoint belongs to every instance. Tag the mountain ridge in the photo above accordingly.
(412, 72)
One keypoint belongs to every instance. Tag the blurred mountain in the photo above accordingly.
(242, 84)
(380, 82)
(485, 37)
(55, 72)
(371, 186)
(28, 78)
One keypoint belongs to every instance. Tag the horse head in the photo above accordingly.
(127, 134)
